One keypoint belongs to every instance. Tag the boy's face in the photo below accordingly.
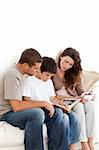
(46, 75)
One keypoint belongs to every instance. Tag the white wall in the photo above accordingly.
(48, 26)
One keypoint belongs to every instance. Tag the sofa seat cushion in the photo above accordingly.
(10, 136)
(45, 131)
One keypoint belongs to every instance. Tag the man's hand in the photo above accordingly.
(50, 108)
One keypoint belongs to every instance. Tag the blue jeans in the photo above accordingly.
(58, 130)
(32, 120)
(74, 127)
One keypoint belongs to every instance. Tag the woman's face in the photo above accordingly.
(66, 63)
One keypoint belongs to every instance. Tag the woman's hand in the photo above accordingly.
(87, 96)
(83, 100)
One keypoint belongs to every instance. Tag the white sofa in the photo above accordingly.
(12, 138)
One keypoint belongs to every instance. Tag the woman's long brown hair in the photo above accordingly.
(72, 75)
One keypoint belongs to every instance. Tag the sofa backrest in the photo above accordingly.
(88, 78)
(1, 90)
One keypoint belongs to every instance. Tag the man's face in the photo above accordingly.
(34, 69)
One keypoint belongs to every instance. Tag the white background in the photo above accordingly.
(49, 26)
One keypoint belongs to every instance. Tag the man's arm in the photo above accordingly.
(18, 105)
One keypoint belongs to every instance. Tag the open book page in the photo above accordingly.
(68, 101)
(71, 102)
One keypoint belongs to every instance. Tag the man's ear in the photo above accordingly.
(26, 65)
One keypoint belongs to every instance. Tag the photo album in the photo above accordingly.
(72, 101)
(68, 101)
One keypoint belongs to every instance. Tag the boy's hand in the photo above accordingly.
(57, 100)
(67, 108)
(50, 108)
(60, 97)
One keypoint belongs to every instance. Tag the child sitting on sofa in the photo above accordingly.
(40, 87)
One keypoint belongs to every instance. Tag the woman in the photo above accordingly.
(67, 82)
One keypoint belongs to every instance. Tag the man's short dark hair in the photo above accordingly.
(48, 65)
(30, 56)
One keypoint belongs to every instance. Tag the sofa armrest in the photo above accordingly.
(95, 89)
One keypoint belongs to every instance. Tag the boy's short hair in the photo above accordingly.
(30, 56)
(48, 65)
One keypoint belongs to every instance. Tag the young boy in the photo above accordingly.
(40, 87)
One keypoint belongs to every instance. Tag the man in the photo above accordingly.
(28, 115)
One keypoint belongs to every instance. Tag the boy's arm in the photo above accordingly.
(57, 100)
